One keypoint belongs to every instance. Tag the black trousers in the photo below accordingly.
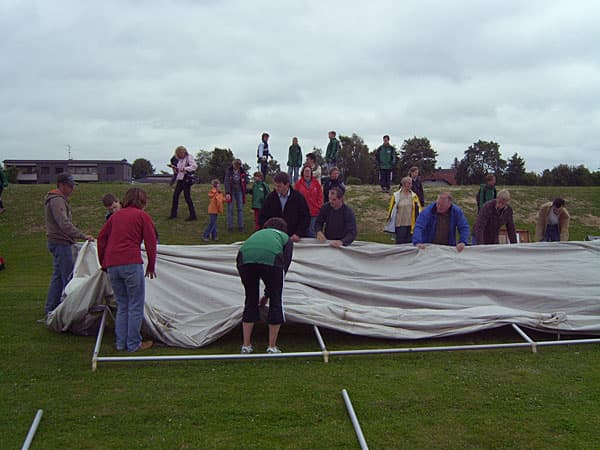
(186, 188)
(384, 178)
(251, 274)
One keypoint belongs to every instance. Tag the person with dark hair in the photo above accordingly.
(294, 160)
(263, 154)
(287, 203)
(61, 234)
(487, 191)
(112, 205)
(312, 192)
(185, 168)
(417, 186)
(333, 181)
(386, 161)
(311, 161)
(119, 254)
(266, 256)
(493, 215)
(439, 223)
(552, 222)
(235, 189)
(336, 221)
(259, 192)
(333, 150)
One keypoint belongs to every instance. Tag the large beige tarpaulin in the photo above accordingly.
(388, 291)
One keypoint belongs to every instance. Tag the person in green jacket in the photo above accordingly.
(259, 191)
(386, 161)
(333, 150)
(266, 256)
(486, 192)
(3, 184)
(294, 160)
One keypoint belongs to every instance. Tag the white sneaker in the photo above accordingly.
(273, 350)
(247, 349)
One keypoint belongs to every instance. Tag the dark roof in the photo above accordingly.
(446, 175)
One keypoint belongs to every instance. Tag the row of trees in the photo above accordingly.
(358, 164)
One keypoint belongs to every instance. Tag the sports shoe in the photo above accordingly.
(247, 349)
(273, 350)
(205, 239)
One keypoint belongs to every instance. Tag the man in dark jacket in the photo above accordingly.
(337, 219)
(386, 161)
(417, 186)
(493, 215)
(287, 203)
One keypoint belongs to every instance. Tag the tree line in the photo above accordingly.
(358, 164)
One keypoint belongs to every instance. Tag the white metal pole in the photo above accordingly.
(99, 339)
(526, 337)
(354, 419)
(32, 429)
(321, 344)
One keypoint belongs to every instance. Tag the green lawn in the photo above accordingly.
(475, 399)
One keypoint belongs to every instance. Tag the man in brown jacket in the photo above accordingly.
(493, 215)
(552, 222)
(60, 235)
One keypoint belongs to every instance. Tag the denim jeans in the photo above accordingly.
(211, 228)
(237, 198)
(311, 227)
(293, 172)
(62, 261)
(128, 286)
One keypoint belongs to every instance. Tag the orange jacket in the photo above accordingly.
(215, 201)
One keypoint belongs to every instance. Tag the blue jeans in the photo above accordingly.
(211, 228)
(551, 234)
(237, 198)
(293, 172)
(128, 286)
(62, 261)
(311, 227)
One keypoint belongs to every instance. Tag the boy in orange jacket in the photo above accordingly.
(215, 207)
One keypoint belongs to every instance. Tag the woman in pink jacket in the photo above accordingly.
(311, 190)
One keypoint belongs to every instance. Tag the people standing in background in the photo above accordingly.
(294, 160)
(417, 186)
(311, 161)
(235, 189)
(552, 222)
(386, 161)
(333, 181)
(61, 235)
(263, 154)
(3, 184)
(112, 205)
(493, 215)
(486, 192)
(259, 192)
(119, 254)
(333, 150)
(215, 207)
(312, 192)
(403, 212)
(185, 168)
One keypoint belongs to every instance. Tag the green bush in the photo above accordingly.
(353, 180)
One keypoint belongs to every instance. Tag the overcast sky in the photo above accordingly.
(135, 79)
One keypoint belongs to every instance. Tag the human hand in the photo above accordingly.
(150, 274)
(336, 244)
(460, 247)
(263, 300)
(227, 197)
(89, 238)
(421, 246)
(321, 237)
(295, 238)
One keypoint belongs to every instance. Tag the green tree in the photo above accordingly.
(273, 168)
(515, 170)
(417, 152)
(220, 159)
(318, 156)
(141, 168)
(202, 158)
(480, 159)
(354, 159)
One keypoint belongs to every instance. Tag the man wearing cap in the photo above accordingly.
(60, 235)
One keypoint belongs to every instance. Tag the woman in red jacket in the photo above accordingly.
(119, 254)
(311, 190)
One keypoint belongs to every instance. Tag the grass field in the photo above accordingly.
(496, 399)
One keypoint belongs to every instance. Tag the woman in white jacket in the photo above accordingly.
(184, 172)
(402, 212)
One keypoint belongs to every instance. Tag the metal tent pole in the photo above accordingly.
(354, 419)
(526, 337)
(32, 429)
(321, 344)
(99, 339)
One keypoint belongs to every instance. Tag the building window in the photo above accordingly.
(58, 170)
(45, 171)
(83, 170)
(110, 170)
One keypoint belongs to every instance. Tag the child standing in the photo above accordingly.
(112, 205)
(215, 207)
(259, 192)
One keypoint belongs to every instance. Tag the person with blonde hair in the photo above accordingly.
(493, 215)
(120, 256)
(184, 178)
(402, 212)
(215, 207)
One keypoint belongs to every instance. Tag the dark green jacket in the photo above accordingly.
(386, 157)
(259, 192)
(485, 194)
(333, 148)
(294, 156)
(268, 246)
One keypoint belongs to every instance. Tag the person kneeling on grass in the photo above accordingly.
(119, 254)
(265, 255)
